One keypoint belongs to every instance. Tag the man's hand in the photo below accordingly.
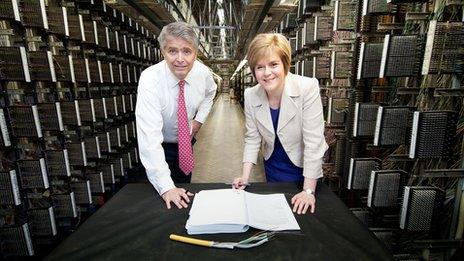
(178, 196)
(302, 201)
(195, 128)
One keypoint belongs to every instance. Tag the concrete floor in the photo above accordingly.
(219, 148)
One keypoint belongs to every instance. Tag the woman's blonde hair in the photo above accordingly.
(264, 44)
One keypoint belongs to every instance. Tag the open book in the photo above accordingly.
(233, 211)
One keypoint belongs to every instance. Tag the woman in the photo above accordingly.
(284, 113)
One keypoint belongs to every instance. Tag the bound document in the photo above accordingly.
(234, 211)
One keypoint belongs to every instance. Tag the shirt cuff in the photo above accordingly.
(200, 117)
(162, 183)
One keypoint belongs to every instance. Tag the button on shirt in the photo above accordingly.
(156, 114)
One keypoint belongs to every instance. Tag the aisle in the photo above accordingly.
(219, 149)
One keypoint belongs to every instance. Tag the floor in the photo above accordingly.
(219, 148)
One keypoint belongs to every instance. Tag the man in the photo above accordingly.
(174, 99)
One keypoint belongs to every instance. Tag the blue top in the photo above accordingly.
(279, 167)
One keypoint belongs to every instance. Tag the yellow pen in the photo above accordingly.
(192, 241)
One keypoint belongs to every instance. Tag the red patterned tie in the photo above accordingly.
(186, 162)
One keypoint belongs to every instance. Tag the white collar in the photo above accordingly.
(173, 81)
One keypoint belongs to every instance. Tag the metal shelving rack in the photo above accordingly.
(388, 61)
(68, 78)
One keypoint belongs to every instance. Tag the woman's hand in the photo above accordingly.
(302, 201)
(240, 183)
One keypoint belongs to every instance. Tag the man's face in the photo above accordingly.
(179, 55)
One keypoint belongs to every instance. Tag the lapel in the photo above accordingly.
(288, 108)
(263, 113)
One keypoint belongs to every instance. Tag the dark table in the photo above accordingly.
(135, 225)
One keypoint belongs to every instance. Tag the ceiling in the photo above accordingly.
(227, 34)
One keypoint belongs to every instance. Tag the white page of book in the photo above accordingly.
(270, 212)
(219, 206)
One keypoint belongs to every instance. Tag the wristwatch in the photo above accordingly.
(309, 191)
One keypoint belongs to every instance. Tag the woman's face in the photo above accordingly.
(270, 73)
